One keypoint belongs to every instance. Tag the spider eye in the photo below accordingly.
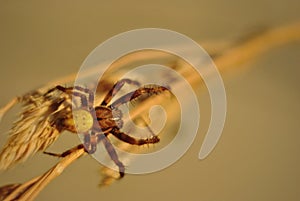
(83, 120)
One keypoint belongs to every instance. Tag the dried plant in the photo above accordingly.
(22, 138)
(33, 131)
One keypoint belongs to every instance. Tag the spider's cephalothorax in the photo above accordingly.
(96, 123)
(108, 118)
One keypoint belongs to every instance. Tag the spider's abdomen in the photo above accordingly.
(108, 118)
(83, 120)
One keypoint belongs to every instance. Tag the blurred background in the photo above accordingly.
(256, 157)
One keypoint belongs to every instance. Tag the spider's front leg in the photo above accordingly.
(131, 140)
(147, 91)
(116, 88)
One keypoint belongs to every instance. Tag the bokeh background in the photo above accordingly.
(257, 156)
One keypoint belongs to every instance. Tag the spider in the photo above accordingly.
(96, 123)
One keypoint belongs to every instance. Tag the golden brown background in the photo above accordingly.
(257, 157)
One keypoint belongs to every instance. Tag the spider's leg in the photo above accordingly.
(148, 91)
(66, 153)
(90, 94)
(116, 88)
(112, 153)
(90, 143)
(81, 93)
(131, 140)
(146, 125)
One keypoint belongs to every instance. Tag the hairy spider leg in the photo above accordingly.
(116, 88)
(131, 140)
(66, 153)
(112, 153)
(89, 146)
(87, 142)
(90, 142)
(149, 91)
(86, 102)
